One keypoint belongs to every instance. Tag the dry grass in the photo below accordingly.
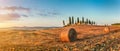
(90, 38)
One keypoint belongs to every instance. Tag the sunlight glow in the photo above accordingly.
(4, 25)
(4, 12)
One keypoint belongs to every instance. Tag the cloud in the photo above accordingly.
(48, 13)
(15, 8)
(24, 15)
(53, 13)
(10, 16)
(13, 13)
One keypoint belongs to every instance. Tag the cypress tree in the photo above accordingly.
(78, 21)
(94, 23)
(72, 20)
(63, 22)
(87, 21)
(82, 19)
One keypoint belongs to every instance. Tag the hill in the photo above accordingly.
(89, 38)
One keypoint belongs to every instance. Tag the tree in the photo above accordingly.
(91, 22)
(87, 21)
(78, 20)
(63, 22)
(82, 19)
(72, 20)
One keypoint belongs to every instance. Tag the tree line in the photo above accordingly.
(73, 21)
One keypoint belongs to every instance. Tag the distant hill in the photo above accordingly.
(116, 24)
(29, 28)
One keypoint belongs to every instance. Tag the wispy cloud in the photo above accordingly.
(48, 13)
(15, 13)
(12, 13)
(11, 16)
(15, 8)
(6, 17)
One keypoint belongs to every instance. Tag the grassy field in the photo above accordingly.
(90, 38)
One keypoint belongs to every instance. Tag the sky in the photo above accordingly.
(47, 13)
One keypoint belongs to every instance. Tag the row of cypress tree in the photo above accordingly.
(78, 21)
